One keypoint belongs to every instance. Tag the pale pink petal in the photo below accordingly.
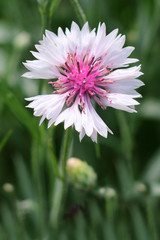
(47, 106)
(122, 101)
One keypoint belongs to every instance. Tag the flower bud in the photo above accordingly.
(8, 187)
(107, 192)
(22, 40)
(81, 174)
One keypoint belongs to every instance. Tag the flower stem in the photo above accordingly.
(79, 11)
(42, 10)
(60, 184)
(53, 6)
(126, 140)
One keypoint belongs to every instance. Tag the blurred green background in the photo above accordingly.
(125, 204)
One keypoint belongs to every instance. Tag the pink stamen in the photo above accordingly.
(82, 77)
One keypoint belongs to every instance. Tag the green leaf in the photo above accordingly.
(125, 179)
(53, 162)
(53, 7)
(19, 111)
(152, 170)
(139, 225)
(23, 178)
(5, 139)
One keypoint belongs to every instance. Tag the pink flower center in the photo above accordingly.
(82, 77)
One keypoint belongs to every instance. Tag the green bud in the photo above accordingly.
(139, 188)
(81, 174)
(22, 40)
(8, 187)
(107, 192)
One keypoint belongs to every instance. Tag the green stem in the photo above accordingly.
(126, 140)
(60, 184)
(42, 10)
(37, 152)
(97, 150)
(79, 11)
(151, 220)
(52, 9)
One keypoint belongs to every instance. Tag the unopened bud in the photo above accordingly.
(22, 40)
(107, 192)
(8, 187)
(140, 188)
(81, 174)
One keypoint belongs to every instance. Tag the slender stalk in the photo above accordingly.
(60, 184)
(37, 152)
(43, 14)
(97, 150)
(151, 220)
(79, 11)
(52, 9)
(126, 141)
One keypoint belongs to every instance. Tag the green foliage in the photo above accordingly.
(125, 203)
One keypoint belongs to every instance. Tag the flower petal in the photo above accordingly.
(70, 116)
(47, 106)
(121, 101)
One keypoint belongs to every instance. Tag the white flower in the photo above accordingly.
(84, 67)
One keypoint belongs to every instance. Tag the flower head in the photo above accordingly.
(84, 67)
(80, 174)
